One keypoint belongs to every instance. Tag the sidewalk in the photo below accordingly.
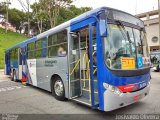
(2, 76)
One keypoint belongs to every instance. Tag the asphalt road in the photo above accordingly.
(18, 99)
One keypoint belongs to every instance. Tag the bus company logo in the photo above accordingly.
(50, 63)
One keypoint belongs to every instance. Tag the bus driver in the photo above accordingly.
(61, 52)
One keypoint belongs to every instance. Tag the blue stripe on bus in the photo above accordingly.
(82, 24)
(114, 80)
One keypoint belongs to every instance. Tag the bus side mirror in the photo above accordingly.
(103, 28)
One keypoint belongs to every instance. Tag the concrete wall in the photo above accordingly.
(151, 22)
(152, 31)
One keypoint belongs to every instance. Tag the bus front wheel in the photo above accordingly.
(58, 90)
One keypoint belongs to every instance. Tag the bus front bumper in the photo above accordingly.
(113, 101)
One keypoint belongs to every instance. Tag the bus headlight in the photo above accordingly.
(105, 85)
(117, 91)
(112, 89)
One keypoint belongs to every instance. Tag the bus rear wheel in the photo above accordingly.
(58, 90)
(14, 76)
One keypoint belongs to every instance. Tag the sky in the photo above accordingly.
(130, 6)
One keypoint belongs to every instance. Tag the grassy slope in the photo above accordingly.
(7, 40)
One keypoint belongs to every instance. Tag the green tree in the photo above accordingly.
(39, 16)
(43, 18)
(2, 8)
(16, 17)
(52, 9)
(70, 12)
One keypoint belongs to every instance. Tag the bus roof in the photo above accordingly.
(64, 25)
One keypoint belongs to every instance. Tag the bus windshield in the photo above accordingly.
(124, 47)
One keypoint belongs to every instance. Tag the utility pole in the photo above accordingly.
(28, 7)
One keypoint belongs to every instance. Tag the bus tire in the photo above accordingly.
(14, 76)
(58, 90)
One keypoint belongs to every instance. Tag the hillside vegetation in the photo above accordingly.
(7, 40)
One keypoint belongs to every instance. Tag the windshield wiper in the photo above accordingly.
(122, 28)
(129, 39)
(123, 31)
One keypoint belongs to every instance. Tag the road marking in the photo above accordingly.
(3, 80)
(11, 88)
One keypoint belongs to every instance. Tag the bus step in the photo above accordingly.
(87, 90)
(87, 95)
(83, 101)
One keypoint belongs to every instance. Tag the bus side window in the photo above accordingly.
(57, 44)
(30, 50)
(44, 47)
(41, 48)
(38, 47)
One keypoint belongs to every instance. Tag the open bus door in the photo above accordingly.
(82, 77)
(74, 66)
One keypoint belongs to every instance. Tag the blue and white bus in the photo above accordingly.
(99, 59)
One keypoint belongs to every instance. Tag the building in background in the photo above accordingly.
(151, 21)
(7, 26)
